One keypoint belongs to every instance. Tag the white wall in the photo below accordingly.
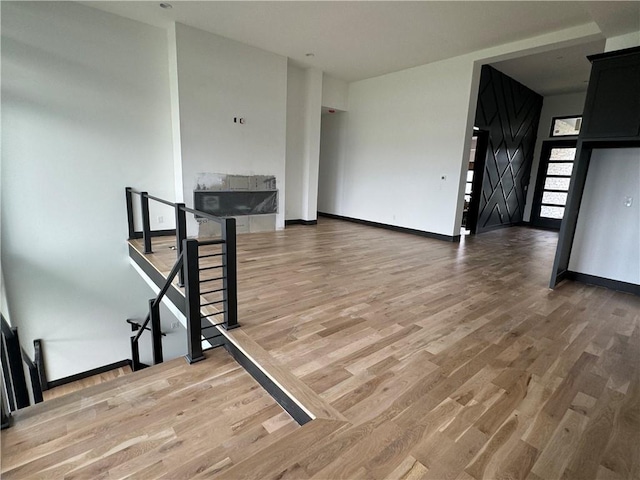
(304, 97)
(219, 79)
(408, 129)
(335, 93)
(311, 159)
(620, 42)
(607, 239)
(332, 160)
(85, 112)
(405, 130)
(553, 106)
(295, 141)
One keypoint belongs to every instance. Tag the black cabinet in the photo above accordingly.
(611, 119)
(612, 107)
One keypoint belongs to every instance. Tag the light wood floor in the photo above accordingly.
(85, 382)
(425, 359)
(173, 420)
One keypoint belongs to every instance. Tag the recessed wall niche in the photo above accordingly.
(251, 199)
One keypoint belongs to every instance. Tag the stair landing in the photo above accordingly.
(173, 419)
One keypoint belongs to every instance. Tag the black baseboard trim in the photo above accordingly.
(299, 221)
(536, 227)
(156, 233)
(421, 233)
(493, 228)
(603, 282)
(88, 373)
(292, 408)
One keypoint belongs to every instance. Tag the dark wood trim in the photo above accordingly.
(88, 373)
(395, 228)
(156, 233)
(299, 221)
(570, 218)
(618, 285)
(286, 402)
(585, 147)
(615, 53)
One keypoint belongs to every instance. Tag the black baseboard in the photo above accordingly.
(421, 233)
(299, 221)
(603, 282)
(536, 227)
(156, 233)
(88, 373)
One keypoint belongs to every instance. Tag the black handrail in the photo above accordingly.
(34, 377)
(188, 272)
(15, 382)
(156, 301)
(153, 317)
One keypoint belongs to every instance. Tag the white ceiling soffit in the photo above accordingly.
(362, 39)
(565, 70)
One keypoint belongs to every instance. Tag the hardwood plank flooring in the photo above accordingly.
(173, 419)
(85, 382)
(425, 359)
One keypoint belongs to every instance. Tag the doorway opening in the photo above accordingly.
(473, 184)
(468, 187)
(552, 184)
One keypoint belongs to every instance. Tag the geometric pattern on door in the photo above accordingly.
(510, 112)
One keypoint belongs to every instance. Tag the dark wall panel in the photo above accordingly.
(510, 112)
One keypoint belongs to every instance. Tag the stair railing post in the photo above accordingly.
(7, 419)
(6, 377)
(146, 226)
(230, 274)
(156, 333)
(36, 388)
(129, 198)
(14, 355)
(181, 235)
(135, 354)
(38, 358)
(192, 301)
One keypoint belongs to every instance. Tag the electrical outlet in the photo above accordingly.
(160, 219)
(628, 201)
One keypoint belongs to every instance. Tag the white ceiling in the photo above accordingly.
(362, 39)
(564, 70)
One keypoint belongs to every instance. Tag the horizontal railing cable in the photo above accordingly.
(212, 268)
(212, 280)
(211, 255)
(187, 270)
(213, 291)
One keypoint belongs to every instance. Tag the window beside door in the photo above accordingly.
(565, 126)
(554, 177)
